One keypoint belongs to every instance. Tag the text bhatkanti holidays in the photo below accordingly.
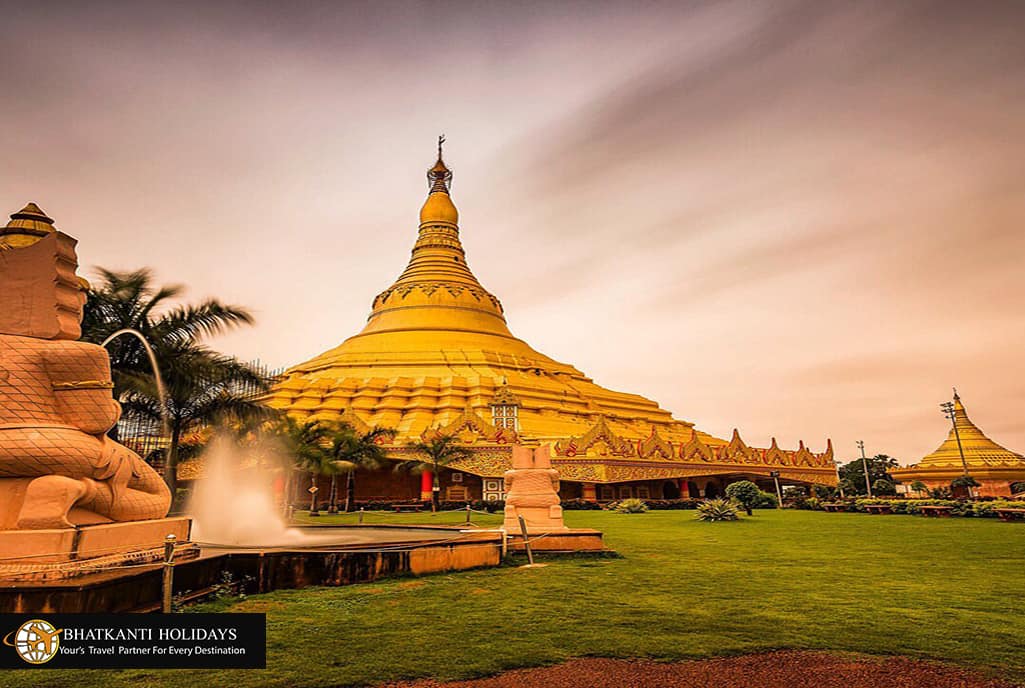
(123, 634)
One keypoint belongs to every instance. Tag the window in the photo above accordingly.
(494, 489)
(457, 477)
(503, 416)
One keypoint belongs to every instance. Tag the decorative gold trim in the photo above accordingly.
(83, 384)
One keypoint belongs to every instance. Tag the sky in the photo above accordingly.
(803, 219)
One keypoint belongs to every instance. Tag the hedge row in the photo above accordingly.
(959, 507)
(769, 501)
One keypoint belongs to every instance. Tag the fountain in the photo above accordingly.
(83, 519)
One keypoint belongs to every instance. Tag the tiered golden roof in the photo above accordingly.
(436, 354)
(26, 227)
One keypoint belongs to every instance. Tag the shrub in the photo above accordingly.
(718, 510)
(631, 506)
(824, 492)
(766, 500)
(664, 504)
(745, 493)
(964, 481)
(1018, 488)
(799, 501)
(580, 505)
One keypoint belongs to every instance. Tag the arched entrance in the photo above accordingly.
(713, 490)
(670, 490)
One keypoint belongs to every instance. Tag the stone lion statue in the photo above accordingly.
(57, 466)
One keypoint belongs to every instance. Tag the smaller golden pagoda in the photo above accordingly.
(993, 466)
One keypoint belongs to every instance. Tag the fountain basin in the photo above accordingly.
(329, 555)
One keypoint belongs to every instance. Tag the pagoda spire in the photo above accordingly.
(438, 208)
(437, 291)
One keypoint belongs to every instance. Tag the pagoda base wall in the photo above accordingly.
(987, 488)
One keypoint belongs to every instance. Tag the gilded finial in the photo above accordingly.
(955, 393)
(439, 177)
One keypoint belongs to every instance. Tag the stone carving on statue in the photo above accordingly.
(57, 466)
(532, 491)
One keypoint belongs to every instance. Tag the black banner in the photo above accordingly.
(133, 641)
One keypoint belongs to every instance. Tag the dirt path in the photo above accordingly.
(769, 670)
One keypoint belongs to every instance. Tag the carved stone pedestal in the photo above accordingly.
(532, 491)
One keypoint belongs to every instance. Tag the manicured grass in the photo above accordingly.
(948, 589)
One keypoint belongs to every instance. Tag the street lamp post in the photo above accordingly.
(864, 465)
(950, 412)
(839, 480)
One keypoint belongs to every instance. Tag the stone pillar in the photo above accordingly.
(426, 485)
(589, 494)
(684, 488)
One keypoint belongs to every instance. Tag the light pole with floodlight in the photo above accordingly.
(950, 412)
(864, 465)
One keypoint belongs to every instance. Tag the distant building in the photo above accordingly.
(993, 466)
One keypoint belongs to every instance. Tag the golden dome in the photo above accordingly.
(436, 340)
(436, 356)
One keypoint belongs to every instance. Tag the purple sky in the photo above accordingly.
(803, 219)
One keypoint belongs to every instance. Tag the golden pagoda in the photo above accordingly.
(993, 466)
(437, 357)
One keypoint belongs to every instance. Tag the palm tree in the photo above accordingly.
(439, 451)
(352, 450)
(129, 300)
(305, 443)
(202, 388)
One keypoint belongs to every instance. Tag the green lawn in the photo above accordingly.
(950, 589)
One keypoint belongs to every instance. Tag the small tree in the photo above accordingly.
(437, 452)
(965, 483)
(352, 450)
(305, 443)
(879, 466)
(919, 487)
(883, 487)
(745, 492)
